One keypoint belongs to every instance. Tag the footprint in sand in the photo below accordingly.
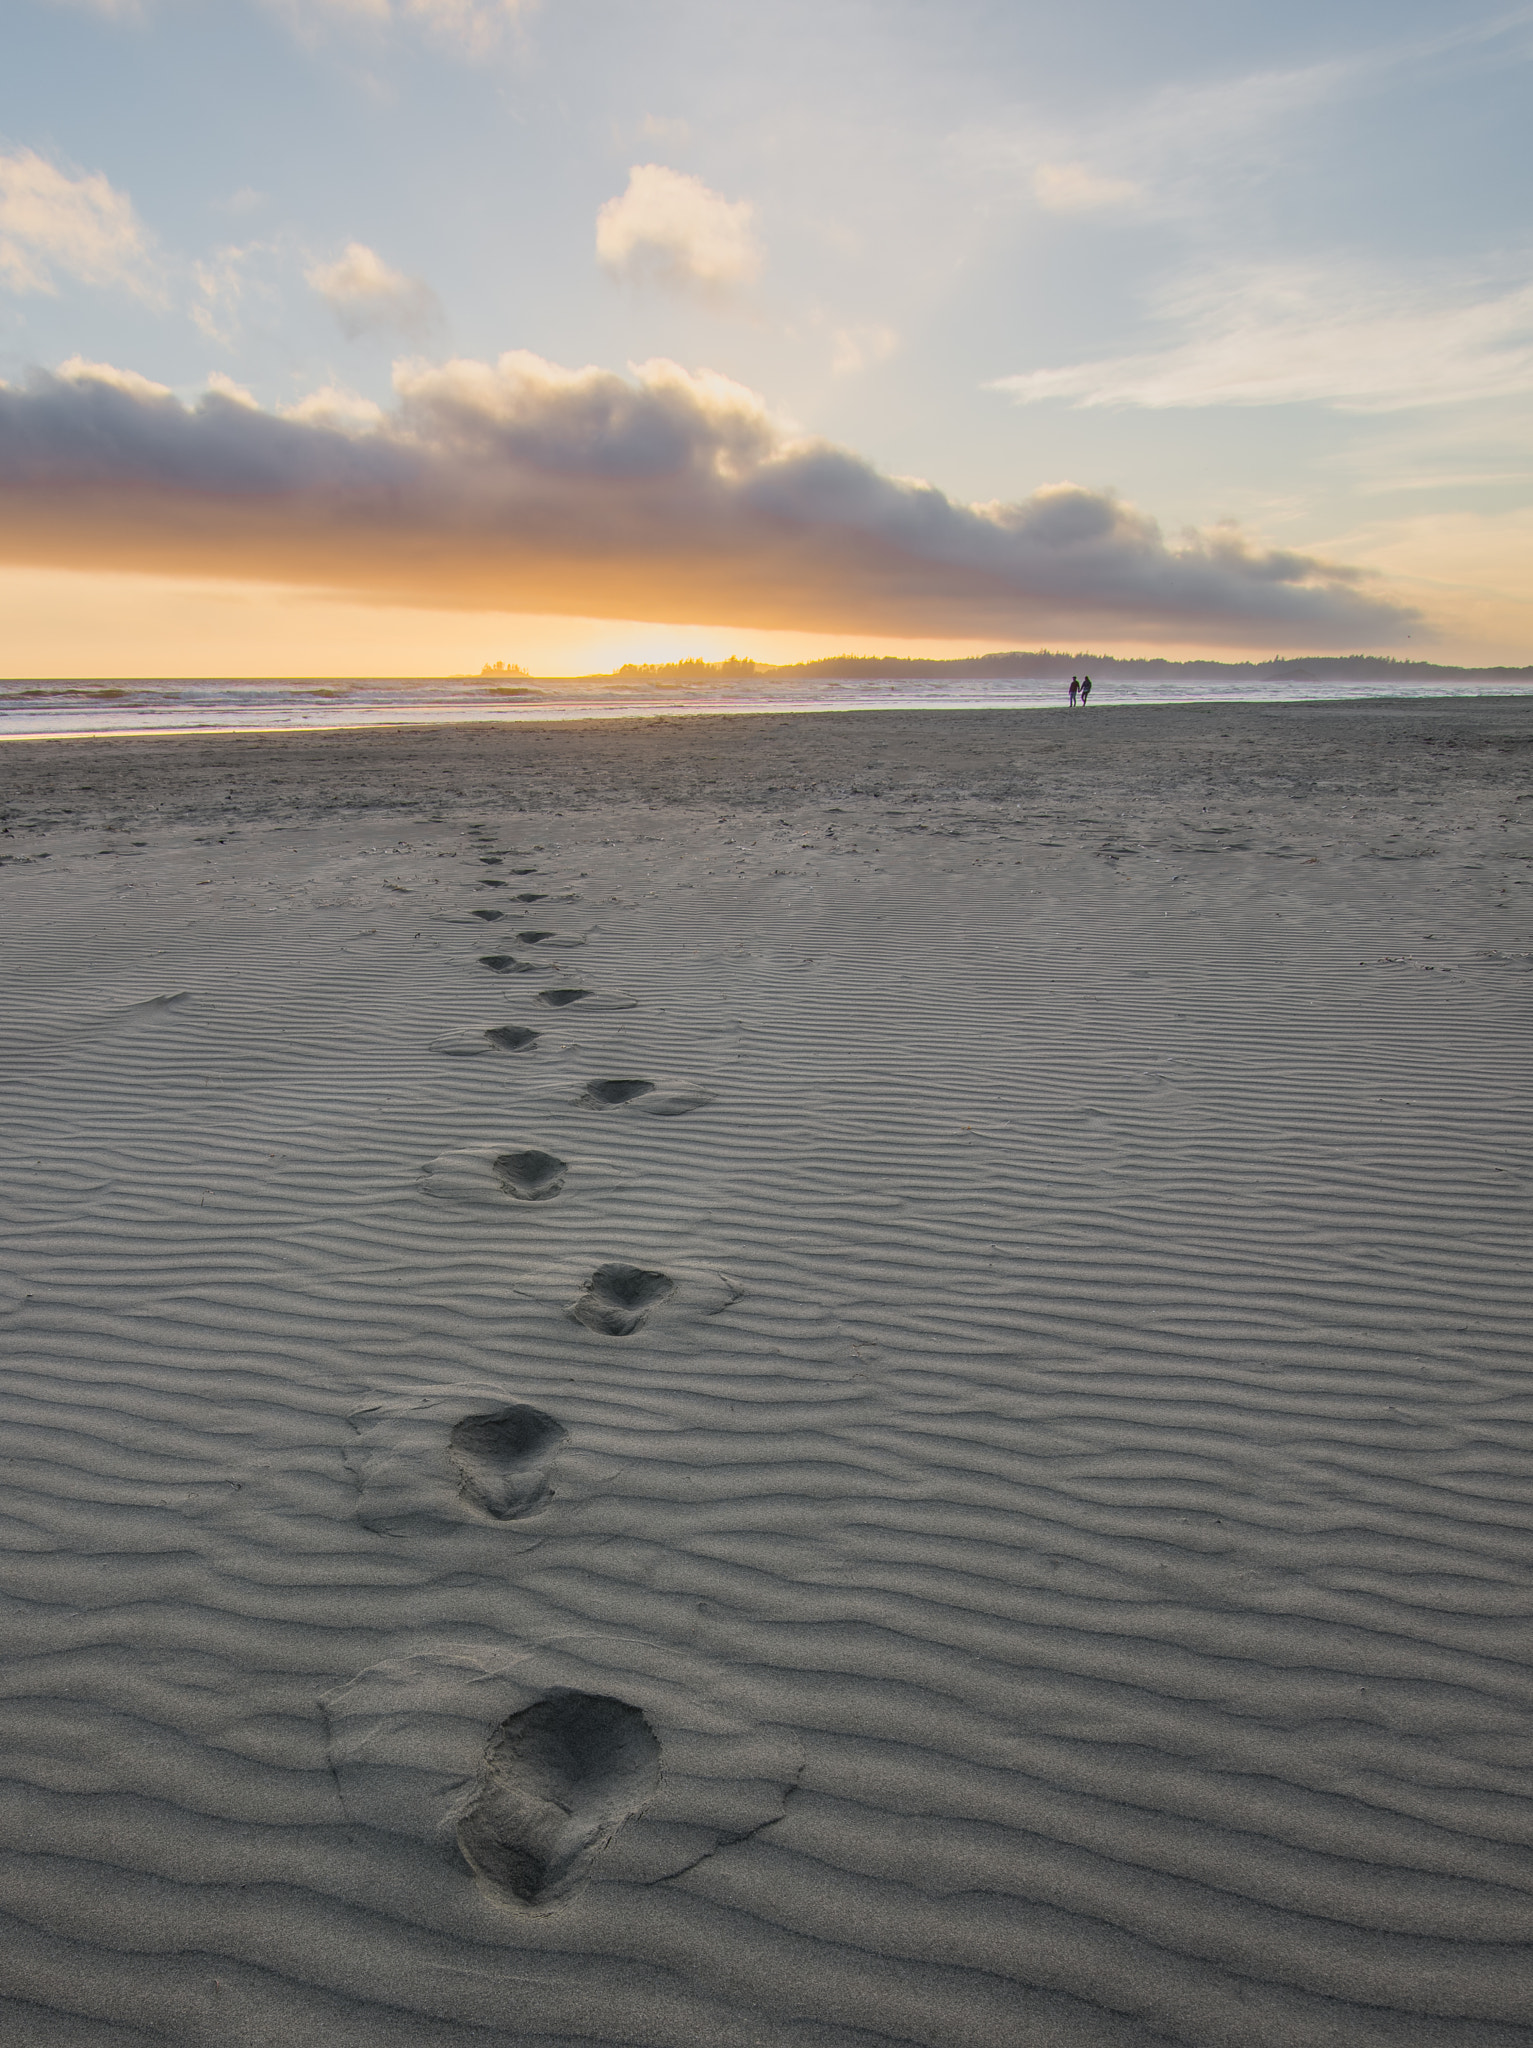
(649, 1098)
(499, 1038)
(617, 1299)
(503, 1457)
(607, 1094)
(507, 963)
(432, 1460)
(489, 916)
(512, 1037)
(593, 999)
(530, 1176)
(557, 1782)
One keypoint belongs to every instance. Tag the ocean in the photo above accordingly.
(57, 709)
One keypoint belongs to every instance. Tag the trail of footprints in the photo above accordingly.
(560, 1777)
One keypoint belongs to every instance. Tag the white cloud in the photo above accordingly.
(1181, 150)
(861, 348)
(223, 282)
(80, 371)
(223, 386)
(670, 229)
(79, 227)
(1192, 148)
(367, 297)
(1283, 336)
(332, 406)
(1073, 188)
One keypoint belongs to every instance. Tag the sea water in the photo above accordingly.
(44, 709)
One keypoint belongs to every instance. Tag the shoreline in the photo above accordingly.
(578, 709)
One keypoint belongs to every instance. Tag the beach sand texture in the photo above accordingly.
(989, 1503)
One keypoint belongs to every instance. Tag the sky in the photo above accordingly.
(400, 336)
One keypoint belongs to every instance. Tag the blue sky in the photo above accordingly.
(1259, 273)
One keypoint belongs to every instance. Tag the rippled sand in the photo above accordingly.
(782, 1382)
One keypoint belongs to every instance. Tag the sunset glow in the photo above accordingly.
(571, 335)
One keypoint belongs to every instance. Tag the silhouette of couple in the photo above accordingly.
(1081, 690)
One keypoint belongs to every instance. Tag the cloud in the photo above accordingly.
(348, 412)
(466, 28)
(522, 486)
(669, 229)
(1072, 188)
(861, 348)
(367, 297)
(669, 128)
(1192, 148)
(223, 281)
(79, 369)
(78, 227)
(1282, 336)
(224, 386)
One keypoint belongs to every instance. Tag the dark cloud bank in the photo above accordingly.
(518, 486)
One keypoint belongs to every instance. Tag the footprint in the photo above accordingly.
(617, 1299)
(513, 1037)
(434, 1747)
(506, 963)
(494, 882)
(561, 999)
(605, 1094)
(557, 1782)
(649, 1098)
(530, 896)
(489, 916)
(499, 1038)
(530, 1176)
(535, 938)
(502, 1459)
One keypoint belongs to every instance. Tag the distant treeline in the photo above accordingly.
(1045, 664)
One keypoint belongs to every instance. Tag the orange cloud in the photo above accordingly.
(519, 486)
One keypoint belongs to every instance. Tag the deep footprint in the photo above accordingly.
(513, 1037)
(503, 1457)
(489, 916)
(561, 998)
(605, 1094)
(506, 963)
(557, 1782)
(530, 1176)
(534, 938)
(617, 1299)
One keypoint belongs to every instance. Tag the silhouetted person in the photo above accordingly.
(1074, 691)
(1085, 690)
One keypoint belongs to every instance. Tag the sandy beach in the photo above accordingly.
(785, 1382)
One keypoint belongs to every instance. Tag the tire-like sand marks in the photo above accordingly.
(1079, 1589)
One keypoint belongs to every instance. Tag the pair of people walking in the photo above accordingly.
(1081, 690)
